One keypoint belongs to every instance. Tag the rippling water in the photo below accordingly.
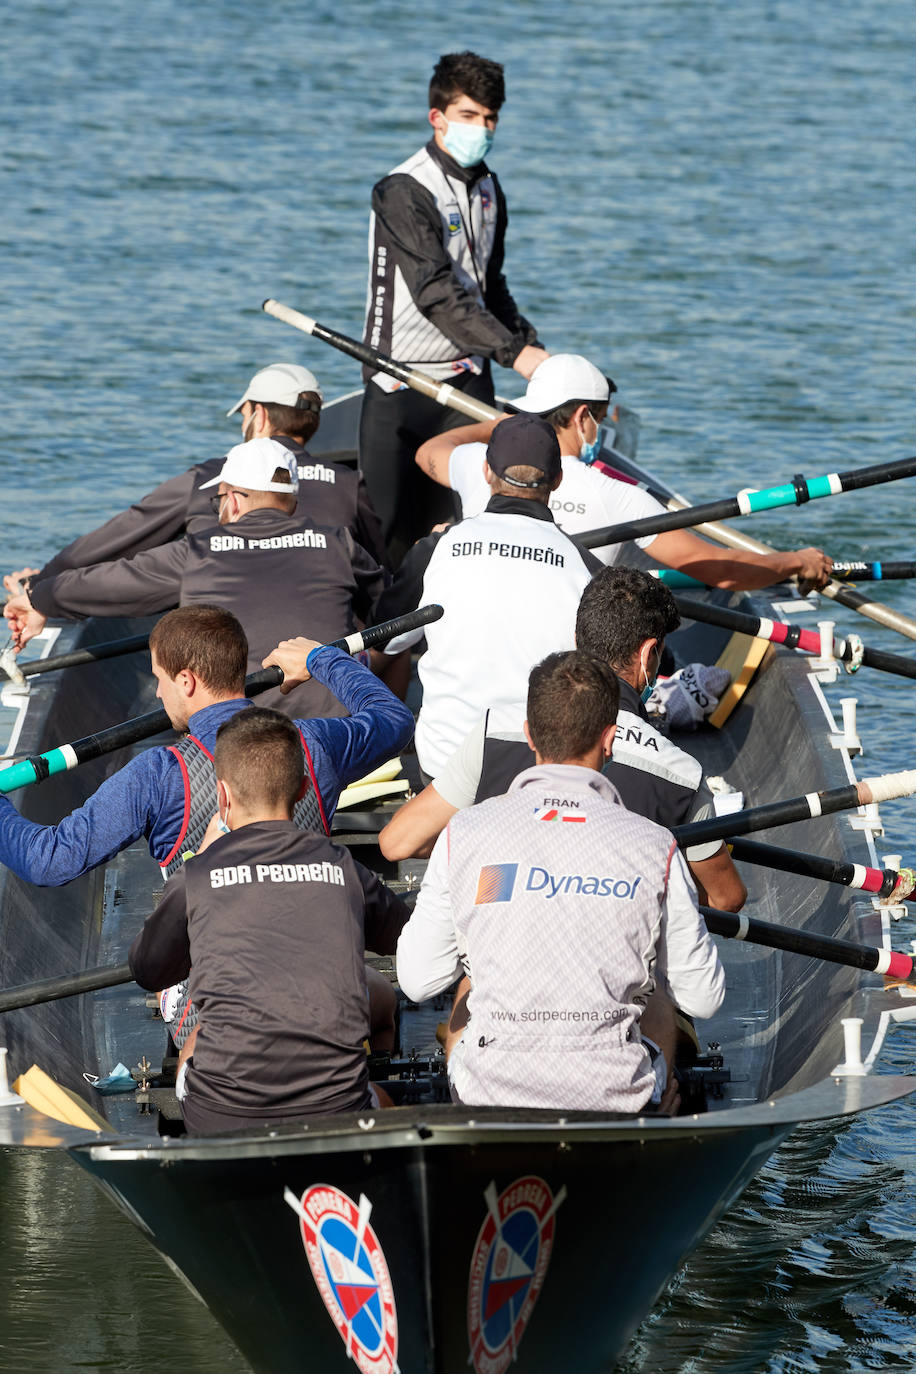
(714, 200)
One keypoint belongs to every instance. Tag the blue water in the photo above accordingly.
(714, 201)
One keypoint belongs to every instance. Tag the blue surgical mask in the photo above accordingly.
(468, 143)
(589, 452)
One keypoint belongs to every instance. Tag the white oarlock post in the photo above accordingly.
(892, 861)
(826, 666)
(7, 1097)
(848, 738)
(852, 1066)
(868, 818)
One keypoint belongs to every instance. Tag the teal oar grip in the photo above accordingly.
(37, 769)
(672, 578)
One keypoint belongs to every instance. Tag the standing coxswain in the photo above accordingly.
(437, 298)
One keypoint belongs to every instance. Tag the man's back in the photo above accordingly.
(329, 494)
(277, 573)
(510, 582)
(585, 500)
(272, 922)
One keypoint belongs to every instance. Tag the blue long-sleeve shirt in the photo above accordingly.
(146, 797)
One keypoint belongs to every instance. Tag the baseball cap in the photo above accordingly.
(524, 441)
(560, 378)
(281, 383)
(252, 466)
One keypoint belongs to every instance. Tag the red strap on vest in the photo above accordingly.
(186, 782)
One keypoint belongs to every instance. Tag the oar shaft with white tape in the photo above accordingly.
(883, 788)
(443, 392)
(740, 927)
(377, 635)
(795, 493)
(791, 636)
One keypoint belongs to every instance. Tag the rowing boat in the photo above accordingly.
(431, 1237)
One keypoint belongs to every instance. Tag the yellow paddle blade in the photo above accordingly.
(61, 1104)
(741, 657)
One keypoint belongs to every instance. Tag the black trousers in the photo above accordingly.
(392, 427)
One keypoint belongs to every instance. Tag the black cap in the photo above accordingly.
(524, 441)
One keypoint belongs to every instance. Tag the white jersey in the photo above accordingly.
(510, 585)
(571, 909)
(586, 499)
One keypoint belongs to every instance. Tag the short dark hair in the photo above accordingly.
(560, 416)
(464, 73)
(572, 699)
(620, 609)
(208, 640)
(300, 421)
(259, 753)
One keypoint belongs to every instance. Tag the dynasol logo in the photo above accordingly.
(495, 883)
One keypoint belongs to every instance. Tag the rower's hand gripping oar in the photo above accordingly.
(846, 596)
(900, 967)
(883, 788)
(443, 392)
(68, 756)
(850, 651)
(794, 493)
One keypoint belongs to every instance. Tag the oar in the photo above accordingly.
(881, 881)
(846, 572)
(883, 788)
(740, 927)
(846, 596)
(442, 392)
(68, 756)
(448, 396)
(794, 493)
(857, 571)
(792, 636)
(77, 657)
(68, 985)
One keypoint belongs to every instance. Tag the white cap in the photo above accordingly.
(281, 383)
(560, 378)
(252, 466)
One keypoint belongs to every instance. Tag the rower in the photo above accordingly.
(437, 298)
(282, 402)
(510, 583)
(271, 925)
(572, 395)
(168, 794)
(624, 618)
(273, 568)
(565, 910)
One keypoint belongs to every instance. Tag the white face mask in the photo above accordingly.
(650, 682)
(246, 426)
(467, 143)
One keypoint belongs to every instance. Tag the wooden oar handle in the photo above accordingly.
(442, 392)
